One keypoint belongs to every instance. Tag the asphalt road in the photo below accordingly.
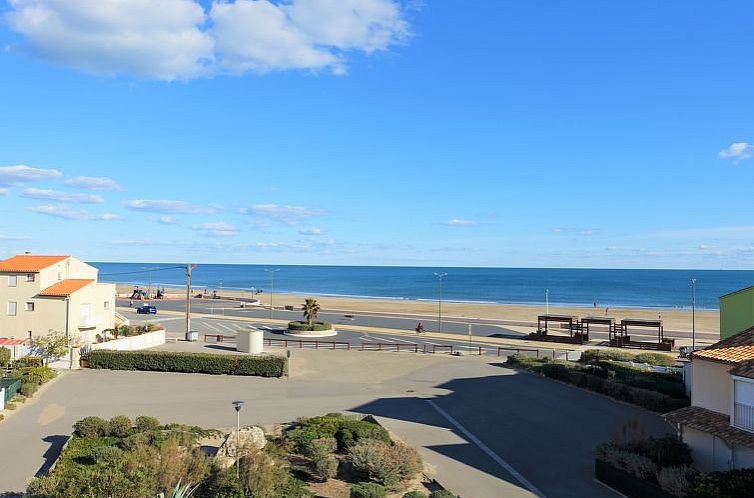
(480, 327)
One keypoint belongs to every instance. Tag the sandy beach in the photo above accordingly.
(673, 319)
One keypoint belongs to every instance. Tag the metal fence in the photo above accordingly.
(11, 386)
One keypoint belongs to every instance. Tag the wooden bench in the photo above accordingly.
(219, 337)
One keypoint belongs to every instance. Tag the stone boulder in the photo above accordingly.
(249, 437)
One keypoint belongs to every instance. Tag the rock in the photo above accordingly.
(250, 437)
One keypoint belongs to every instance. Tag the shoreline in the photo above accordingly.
(707, 321)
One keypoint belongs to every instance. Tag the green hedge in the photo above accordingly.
(594, 356)
(299, 326)
(165, 361)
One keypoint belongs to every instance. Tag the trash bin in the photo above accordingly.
(192, 335)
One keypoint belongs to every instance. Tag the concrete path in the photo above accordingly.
(483, 415)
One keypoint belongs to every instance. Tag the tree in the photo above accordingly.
(311, 310)
(51, 346)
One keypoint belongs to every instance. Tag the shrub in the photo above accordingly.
(592, 356)
(367, 490)
(657, 359)
(91, 427)
(730, 484)
(414, 494)
(37, 374)
(10, 406)
(299, 326)
(325, 466)
(29, 361)
(556, 371)
(165, 361)
(144, 423)
(677, 480)
(347, 431)
(19, 398)
(107, 455)
(633, 463)
(665, 451)
(29, 388)
(319, 447)
(4, 357)
(352, 431)
(442, 493)
(596, 384)
(119, 426)
(386, 463)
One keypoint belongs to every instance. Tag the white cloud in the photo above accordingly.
(69, 213)
(166, 220)
(156, 39)
(284, 214)
(218, 229)
(93, 183)
(738, 151)
(4, 191)
(169, 206)
(455, 222)
(177, 39)
(56, 195)
(18, 174)
(575, 230)
(14, 237)
(310, 231)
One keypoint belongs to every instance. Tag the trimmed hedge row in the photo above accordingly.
(299, 326)
(573, 373)
(166, 361)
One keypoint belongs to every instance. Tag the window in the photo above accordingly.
(12, 280)
(30, 277)
(29, 307)
(107, 305)
(12, 307)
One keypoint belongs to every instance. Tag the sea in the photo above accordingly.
(558, 286)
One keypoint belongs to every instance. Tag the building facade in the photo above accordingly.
(44, 294)
(719, 424)
(736, 312)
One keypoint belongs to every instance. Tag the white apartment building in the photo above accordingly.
(43, 294)
(719, 424)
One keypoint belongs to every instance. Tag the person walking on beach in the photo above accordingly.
(419, 328)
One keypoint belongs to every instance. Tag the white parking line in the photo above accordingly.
(505, 465)
(211, 327)
(399, 340)
(223, 326)
(432, 343)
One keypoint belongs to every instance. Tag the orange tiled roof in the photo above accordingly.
(733, 350)
(66, 287)
(29, 263)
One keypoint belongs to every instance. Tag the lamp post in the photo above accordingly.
(693, 315)
(547, 301)
(238, 405)
(439, 276)
(272, 285)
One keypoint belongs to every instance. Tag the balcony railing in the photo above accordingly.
(743, 416)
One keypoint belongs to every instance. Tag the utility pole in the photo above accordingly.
(439, 276)
(693, 315)
(547, 301)
(272, 285)
(469, 327)
(188, 299)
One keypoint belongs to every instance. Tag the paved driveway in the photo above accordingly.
(485, 429)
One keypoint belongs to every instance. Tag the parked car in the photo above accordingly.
(146, 310)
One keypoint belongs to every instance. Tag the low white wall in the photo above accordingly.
(143, 341)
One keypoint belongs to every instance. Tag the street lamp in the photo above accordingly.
(238, 405)
(547, 301)
(439, 276)
(693, 315)
(272, 285)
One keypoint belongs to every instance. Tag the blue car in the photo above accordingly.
(146, 310)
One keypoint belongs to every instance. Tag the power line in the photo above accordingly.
(148, 270)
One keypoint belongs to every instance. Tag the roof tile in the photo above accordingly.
(66, 287)
(29, 263)
(733, 350)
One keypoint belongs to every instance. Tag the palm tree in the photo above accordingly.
(311, 310)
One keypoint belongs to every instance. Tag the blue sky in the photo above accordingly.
(379, 132)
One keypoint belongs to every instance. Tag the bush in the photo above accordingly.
(319, 447)
(29, 388)
(665, 451)
(165, 361)
(38, 375)
(657, 359)
(730, 484)
(677, 480)
(325, 466)
(367, 490)
(29, 361)
(442, 493)
(556, 371)
(299, 326)
(414, 494)
(346, 431)
(19, 398)
(91, 427)
(144, 423)
(119, 426)
(352, 431)
(593, 356)
(635, 464)
(10, 406)
(4, 357)
(386, 463)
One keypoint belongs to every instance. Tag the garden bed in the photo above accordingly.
(315, 329)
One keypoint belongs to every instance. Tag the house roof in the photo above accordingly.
(745, 289)
(733, 350)
(66, 287)
(745, 369)
(713, 423)
(29, 263)
(5, 341)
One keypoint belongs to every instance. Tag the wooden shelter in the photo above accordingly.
(621, 338)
